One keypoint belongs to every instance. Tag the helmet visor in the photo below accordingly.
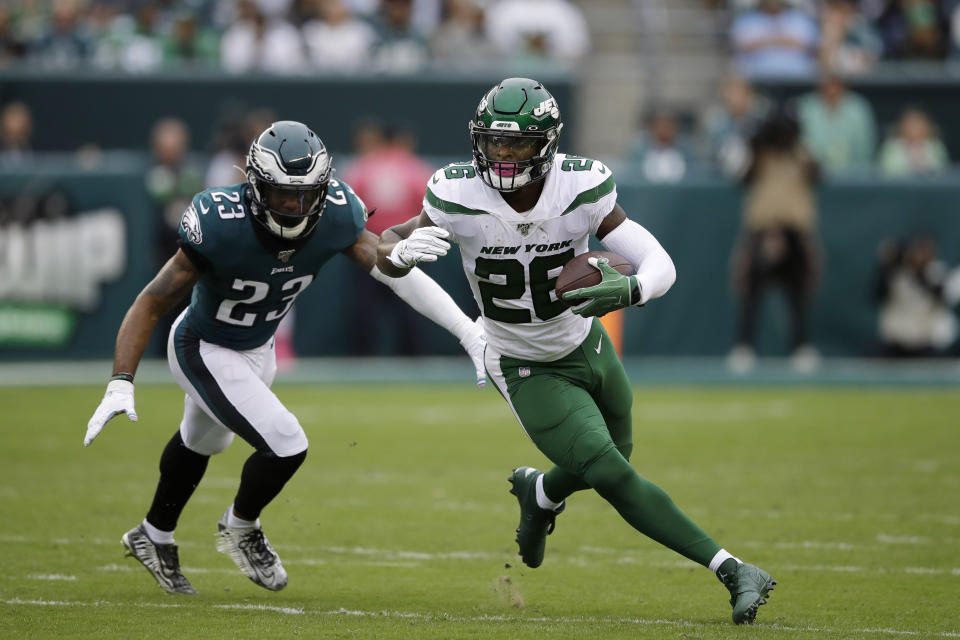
(289, 205)
(507, 155)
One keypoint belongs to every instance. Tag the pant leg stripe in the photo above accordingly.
(187, 348)
(492, 362)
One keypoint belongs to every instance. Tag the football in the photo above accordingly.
(579, 273)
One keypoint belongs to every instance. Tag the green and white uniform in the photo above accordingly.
(512, 259)
(558, 371)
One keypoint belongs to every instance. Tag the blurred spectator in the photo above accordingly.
(335, 39)
(12, 47)
(915, 319)
(190, 43)
(774, 40)
(728, 126)
(16, 127)
(838, 126)
(131, 42)
(63, 42)
(848, 42)
(914, 148)
(400, 48)
(538, 30)
(257, 43)
(231, 143)
(658, 151)
(460, 40)
(171, 181)
(275, 8)
(390, 178)
(778, 243)
(914, 29)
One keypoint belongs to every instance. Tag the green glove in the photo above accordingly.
(615, 291)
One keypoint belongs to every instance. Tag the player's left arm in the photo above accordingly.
(655, 273)
(422, 293)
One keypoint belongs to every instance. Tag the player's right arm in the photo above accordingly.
(173, 282)
(402, 246)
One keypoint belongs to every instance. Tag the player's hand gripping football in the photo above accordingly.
(614, 291)
(474, 344)
(425, 244)
(117, 399)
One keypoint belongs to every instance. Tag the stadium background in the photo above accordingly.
(90, 147)
(842, 479)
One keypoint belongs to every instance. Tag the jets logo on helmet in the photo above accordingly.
(545, 106)
(515, 134)
(288, 169)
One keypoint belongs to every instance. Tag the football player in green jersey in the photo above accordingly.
(520, 211)
(246, 252)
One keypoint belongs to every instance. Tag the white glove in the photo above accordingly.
(474, 344)
(425, 244)
(117, 399)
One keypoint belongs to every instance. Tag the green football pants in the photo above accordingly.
(577, 412)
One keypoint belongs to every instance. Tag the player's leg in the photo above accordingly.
(182, 465)
(233, 388)
(613, 394)
(614, 397)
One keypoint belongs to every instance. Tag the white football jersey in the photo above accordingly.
(512, 259)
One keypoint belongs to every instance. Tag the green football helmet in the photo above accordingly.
(288, 169)
(515, 134)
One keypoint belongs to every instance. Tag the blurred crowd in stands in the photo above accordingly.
(837, 126)
(290, 37)
(795, 37)
(777, 148)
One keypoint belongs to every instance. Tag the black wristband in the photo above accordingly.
(122, 376)
(636, 293)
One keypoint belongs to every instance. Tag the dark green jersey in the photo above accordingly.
(250, 277)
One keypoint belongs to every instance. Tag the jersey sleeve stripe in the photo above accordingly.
(591, 195)
(450, 207)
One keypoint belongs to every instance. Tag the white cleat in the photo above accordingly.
(251, 552)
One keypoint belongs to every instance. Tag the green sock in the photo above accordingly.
(648, 508)
(560, 484)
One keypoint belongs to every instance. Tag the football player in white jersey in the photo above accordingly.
(520, 211)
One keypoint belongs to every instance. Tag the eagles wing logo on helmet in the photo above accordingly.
(190, 223)
(288, 169)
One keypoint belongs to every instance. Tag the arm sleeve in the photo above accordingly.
(655, 270)
(198, 259)
(422, 293)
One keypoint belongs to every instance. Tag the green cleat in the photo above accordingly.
(748, 586)
(535, 523)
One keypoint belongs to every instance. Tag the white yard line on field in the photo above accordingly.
(445, 618)
(409, 559)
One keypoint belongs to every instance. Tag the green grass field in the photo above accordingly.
(399, 524)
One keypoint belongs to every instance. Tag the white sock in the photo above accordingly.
(238, 523)
(721, 556)
(157, 536)
(542, 500)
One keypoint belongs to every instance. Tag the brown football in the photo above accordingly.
(579, 273)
